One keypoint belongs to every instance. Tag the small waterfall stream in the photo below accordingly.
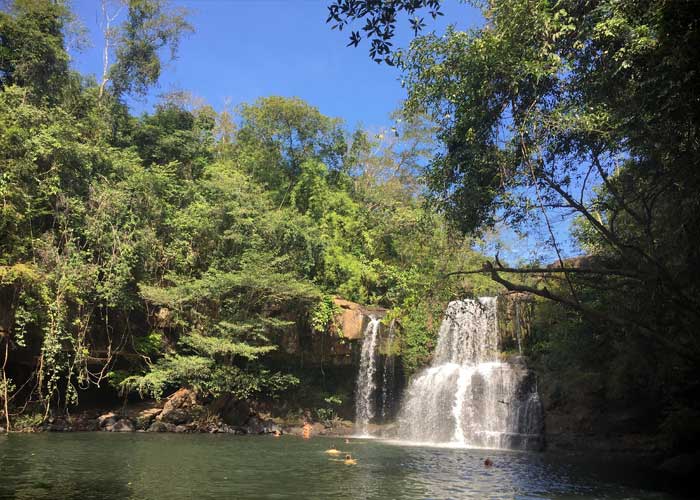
(366, 384)
(467, 397)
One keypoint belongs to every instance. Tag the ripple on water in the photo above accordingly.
(109, 466)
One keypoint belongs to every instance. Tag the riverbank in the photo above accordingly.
(183, 412)
(143, 422)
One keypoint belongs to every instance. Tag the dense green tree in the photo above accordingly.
(279, 133)
(225, 294)
(174, 248)
(584, 112)
(174, 135)
(32, 52)
(558, 108)
(149, 27)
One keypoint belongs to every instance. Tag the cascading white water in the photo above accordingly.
(467, 397)
(388, 375)
(366, 385)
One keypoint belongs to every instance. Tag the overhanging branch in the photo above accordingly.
(591, 313)
(488, 268)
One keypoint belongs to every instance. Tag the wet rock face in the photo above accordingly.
(335, 346)
(351, 319)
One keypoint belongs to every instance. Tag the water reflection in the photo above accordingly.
(144, 466)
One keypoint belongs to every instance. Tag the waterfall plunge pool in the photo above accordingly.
(110, 466)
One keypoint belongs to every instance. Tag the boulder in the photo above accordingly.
(177, 416)
(212, 428)
(232, 411)
(159, 426)
(181, 408)
(145, 418)
(123, 425)
(256, 425)
(58, 425)
(84, 423)
(226, 429)
(106, 420)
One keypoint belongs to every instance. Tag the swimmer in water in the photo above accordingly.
(349, 460)
(306, 431)
(277, 433)
(488, 462)
(333, 451)
(347, 441)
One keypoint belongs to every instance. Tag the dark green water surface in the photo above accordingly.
(175, 466)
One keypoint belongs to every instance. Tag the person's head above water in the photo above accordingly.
(488, 462)
(348, 457)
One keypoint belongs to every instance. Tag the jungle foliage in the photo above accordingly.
(173, 248)
(585, 112)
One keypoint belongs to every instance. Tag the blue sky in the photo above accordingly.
(245, 49)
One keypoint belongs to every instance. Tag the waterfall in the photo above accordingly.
(388, 375)
(366, 385)
(467, 397)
